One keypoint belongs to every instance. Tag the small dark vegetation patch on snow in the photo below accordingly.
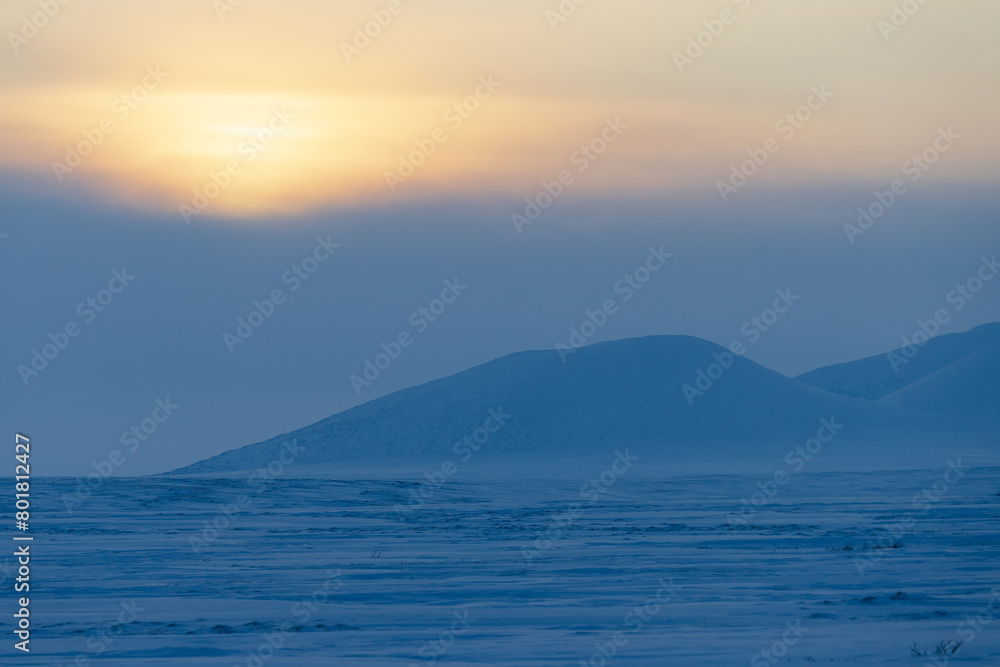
(322, 627)
(877, 546)
(944, 648)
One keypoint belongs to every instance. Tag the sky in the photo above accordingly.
(178, 162)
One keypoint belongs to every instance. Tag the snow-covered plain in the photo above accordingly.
(518, 571)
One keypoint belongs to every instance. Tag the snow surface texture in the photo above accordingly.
(524, 572)
(626, 393)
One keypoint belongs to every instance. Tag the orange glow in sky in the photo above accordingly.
(275, 111)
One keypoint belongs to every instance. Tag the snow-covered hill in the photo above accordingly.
(968, 388)
(880, 375)
(606, 397)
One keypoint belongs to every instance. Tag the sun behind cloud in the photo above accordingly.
(261, 111)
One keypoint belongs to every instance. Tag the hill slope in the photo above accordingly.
(968, 389)
(607, 396)
(875, 378)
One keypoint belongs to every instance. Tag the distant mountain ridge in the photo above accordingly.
(968, 389)
(876, 377)
(607, 396)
